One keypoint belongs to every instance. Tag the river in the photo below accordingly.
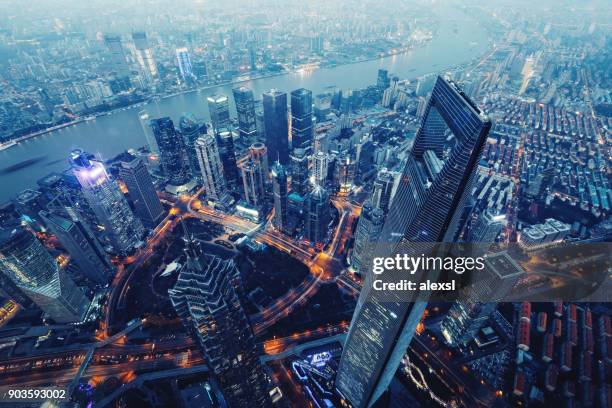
(458, 40)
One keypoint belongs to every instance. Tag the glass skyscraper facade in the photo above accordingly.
(172, 151)
(301, 118)
(245, 109)
(426, 209)
(279, 181)
(276, 125)
(110, 207)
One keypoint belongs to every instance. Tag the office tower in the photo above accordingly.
(344, 174)
(210, 166)
(259, 152)
(218, 107)
(205, 300)
(322, 106)
(28, 204)
(425, 84)
(245, 109)
(299, 172)
(276, 125)
(172, 151)
(301, 118)
(225, 145)
(259, 123)
(383, 81)
(137, 179)
(487, 227)
(83, 248)
(145, 123)
(184, 64)
(144, 56)
(191, 129)
(279, 181)
(253, 183)
(28, 264)
(383, 189)
(111, 209)
(367, 233)
(320, 168)
(426, 208)
(478, 300)
(317, 215)
(117, 59)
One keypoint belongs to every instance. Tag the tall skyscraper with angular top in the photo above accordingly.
(172, 150)
(276, 125)
(427, 207)
(110, 207)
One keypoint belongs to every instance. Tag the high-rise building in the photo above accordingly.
(382, 80)
(245, 109)
(110, 207)
(191, 129)
(140, 187)
(259, 152)
(32, 269)
(299, 172)
(253, 183)
(210, 166)
(383, 189)
(301, 118)
(320, 168)
(205, 300)
(227, 154)
(218, 107)
(117, 59)
(478, 300)
(367, 233)
(184, 64)
(172, 151)
(144, 56)
(276, 125)
(317, 215)
(279, 181)
(426, 208)
(487, 227)
(344, 174)
(83, 248)
(145, 123)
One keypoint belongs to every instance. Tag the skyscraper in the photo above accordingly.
(253, 183)
(245, 108)
(191, 129)
(28, 264)
(83, 248)
(276, 125)
(301, 118)
(383, 81)
(111, 209)
(299, 172)
(383, 189)
(426, 208)
(118, 62)
(141, 190)
(227, 154)
(279, 181)
(218, 107)
(368, 230)
(172, 151)
(317, 215)
(210, 166)
(144, 56)
(259, 152)
(344, 174)
(487, 227)
(209, 307)
(145, 123)
(184, 64)
(320, 168)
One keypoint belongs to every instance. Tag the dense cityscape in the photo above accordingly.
(193, 196)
